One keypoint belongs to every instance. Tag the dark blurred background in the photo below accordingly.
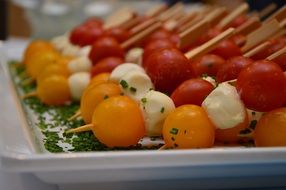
(24, 18)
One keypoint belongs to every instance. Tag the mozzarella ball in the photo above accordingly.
(134, 55)
(80, 64)
(155, 106)
(224, 107)
(70, 50)
(60, 42)
(135, 84)
(77, 83)
(84, 51)
(123, 69)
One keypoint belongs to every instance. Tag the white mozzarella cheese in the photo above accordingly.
(80, 64)
(210, 80)
(134, 55)
(155, 106)
(84, 51)
(135, 84)
(77, 83)
(123, 69)
(224, 107)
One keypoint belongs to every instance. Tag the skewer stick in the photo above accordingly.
(83, 128)
(257, 49)
(171, 11)
(243, 8)
(276, 54)
(279, 34)
(249, 26)
(76, 115)
(119, 17)
(143, 25)
(186, 18)
(278, 15)
(131, 23)
(192, 22)
(261, 34)
(29, 95)
(216, 15)
(192, 33)
(139, 37)
(209, 45)
(156, 10)
(267, 10)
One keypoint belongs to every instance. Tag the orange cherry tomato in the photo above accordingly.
(36, 46)
(54, 90)
(39, 60)
(94, 95)
(53, 69)
(188, 126)
(271, 129)
(118, 122)
(231, 135)
(100, 78)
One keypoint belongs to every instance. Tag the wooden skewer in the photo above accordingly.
(257, 49)
(283, 23)
(279, 34)
(267, 10)
(192, 22)
(156, 10)
(83, 128)
(278, 15)
(216, 15)
(76, 115)
(29, 95)
(192, 33)
(131, 23)
(186, 18)
(169, 12)
(243, 8)
(119, 17)
(249, 26)
(276, 54)
(139, 37)
(261, 34)
(209, 45)
(143, 25)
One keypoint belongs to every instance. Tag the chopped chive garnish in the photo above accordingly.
(173, 139)
(132, 89)
(124, 84)
(162, 110)
(174, 131)
(245, 131)
(144, 100)
(151, 89)
(175, 145)
(252, 124)
(253, 113)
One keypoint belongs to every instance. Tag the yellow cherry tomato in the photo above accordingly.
(54, 90)
(94, 95)
(231, 135)
(40, 60)
(271, 129)
(188, 126)
(64, 60)
(53, 69)
(99, 79)
(36, 46)
(118, 122)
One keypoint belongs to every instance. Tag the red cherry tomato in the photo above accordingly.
(231, 69)
(281, 61)
(167, 69)
(162, 34)
(106, 65)
(93, 22)
(156, 45)
(274, 46)
(238, 21)
(207, 64)
(192, 91)
(239, 40)
(211, 33)
(85, 35)
(105, 47)
(118, 33)
(227, 49)
(262, 86)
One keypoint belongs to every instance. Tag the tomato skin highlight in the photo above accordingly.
(105, 47)
(207, 64)
(262, 86)
(192, 91)
(231, 69)
(188, 126)
(106, 65)
(167, 69)
(271, 129)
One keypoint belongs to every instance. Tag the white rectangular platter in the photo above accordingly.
(20, 152)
